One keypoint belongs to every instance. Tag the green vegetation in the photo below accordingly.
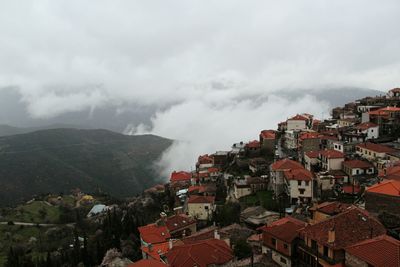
(263, 198)
(34, 212)
(227, 214)
(241, 249)
(63, 159)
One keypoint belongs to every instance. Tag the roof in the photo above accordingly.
(253, 144)
(384, 111)
(395, 90)
(285, 229)
(299, 175)
(298, 118)
(376, 147)
(286, 164)
(388, 187)
(391, 173)
(312, 154)
(205, 159)
(380, 251)
(309, 135)
(156, 250)
(361, 164)
(366, 125)
(350, 189)
(201, 253)
(147, 263)
(268, 134)
(331, 154)
(201, 199)
(178, 221)
(351, 226)
(153, 233)
(331, 208)
(180, 176)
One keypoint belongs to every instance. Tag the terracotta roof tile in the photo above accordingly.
(387, 187)
(286, 164)
(299, 175)
(380, 251)
(180, 176)
(268, 134)
(178, 221)
(201, 253)
(147, 263)
(153, 233)
(352, 226)
(253, 144)
(156, 250)
(331, 208)
(366, 125)
(285, 229)
(298, 118)
(361, 164)
(376, 147)
(331, 154)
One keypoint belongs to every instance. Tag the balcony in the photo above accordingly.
(313, 253)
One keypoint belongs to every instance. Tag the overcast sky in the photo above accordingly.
(202, 58)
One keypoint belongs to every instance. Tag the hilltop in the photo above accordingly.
(59, 160)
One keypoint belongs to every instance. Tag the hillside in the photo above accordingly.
(59, 160)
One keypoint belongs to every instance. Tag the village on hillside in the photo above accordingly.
(311, 193)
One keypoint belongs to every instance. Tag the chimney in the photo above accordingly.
(170, 244)
(331, 235)
(216, 235)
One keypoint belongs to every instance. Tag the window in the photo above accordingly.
(357, 171)
(285, 246)
(301, 191)
(298, 182)
(313, 244)
(206, 207)
(273, 241)
(283, 260)
(326, 250)
(307, 183)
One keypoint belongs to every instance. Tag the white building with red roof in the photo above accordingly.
(299, 185)
(277, 170)
(331, 159)
(358, 167)
(201, 207)
(298, 122)
(369, 129)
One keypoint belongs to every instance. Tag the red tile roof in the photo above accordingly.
(285, 229)
(312, 154)
(201, 253)
(387, 187)
(153, 233)
(384, 111)
(366, 125)
(201, 199)
(376, 147)
(298, 175)
(268, 134)
(331, 208)
(178, 221)
(180, 176)
(351, 226)
(380, 251)
(392, 173)
(349, 189)
(286, 164)
(205, 159)
(253, 144)
(361, 164)
(331, 154)
(147, 263)
(310, 135)
(156, 250)
(213, 170)
(298, 118)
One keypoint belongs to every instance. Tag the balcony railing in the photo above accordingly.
(313, 252)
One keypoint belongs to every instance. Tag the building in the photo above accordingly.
(310, 160)
(298, 122)
(376, 153)
(180, 180)
(383, 197)
(309, 141)
(201, 207)
(248, 186)
(154, 240)
(147, 263)
(279, 240)
(380, 251)
(387, 118)
(358, 168)
(180, 225)
(299, 185)
(258, 165)
(267, 141)
(369, 129)
(253, 148)
(395, 92)
(324, 242)
(203, 253)
(277, 170)
(323, 211)
(331, 159)
(204, 162)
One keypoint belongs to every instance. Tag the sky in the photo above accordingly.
(216, 65)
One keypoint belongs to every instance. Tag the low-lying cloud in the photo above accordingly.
(215, 64)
